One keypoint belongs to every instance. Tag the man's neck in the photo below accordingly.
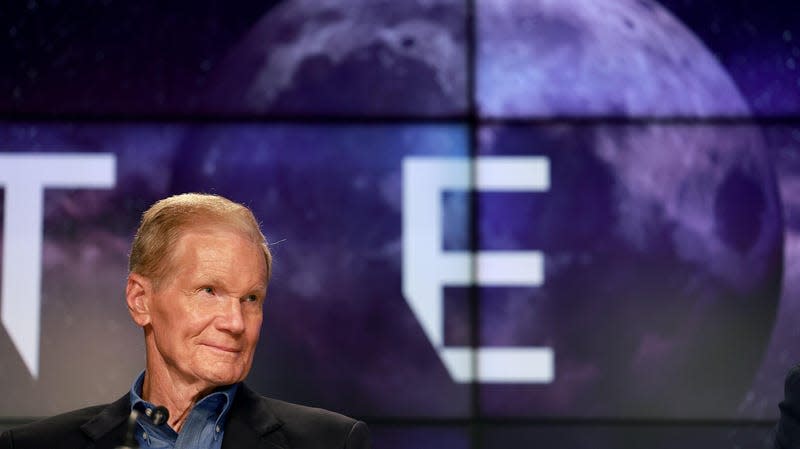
(174, 393)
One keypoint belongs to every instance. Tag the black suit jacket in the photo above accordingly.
(787, 432)
(253, 422)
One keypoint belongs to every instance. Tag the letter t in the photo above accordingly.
(24, 178)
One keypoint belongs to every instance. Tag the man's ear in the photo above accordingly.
(138, 295)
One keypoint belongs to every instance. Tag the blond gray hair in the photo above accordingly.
(163, 223)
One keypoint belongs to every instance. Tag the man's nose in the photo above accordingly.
(231, 318)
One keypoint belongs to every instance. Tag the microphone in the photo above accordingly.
(159, 415)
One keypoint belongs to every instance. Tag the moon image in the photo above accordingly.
(626, 58)
(662, 239)
(363, 57)
(663, 261)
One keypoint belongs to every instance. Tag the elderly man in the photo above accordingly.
(199, 267)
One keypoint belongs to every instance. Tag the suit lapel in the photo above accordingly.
(107, 429)
(251, 424)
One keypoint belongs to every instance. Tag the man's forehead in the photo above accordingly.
(215, 248)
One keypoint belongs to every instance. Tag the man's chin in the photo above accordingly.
(222, 376)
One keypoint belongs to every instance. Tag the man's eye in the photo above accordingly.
(208, 290)
(251, 298)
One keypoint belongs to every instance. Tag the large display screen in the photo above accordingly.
(565, 223)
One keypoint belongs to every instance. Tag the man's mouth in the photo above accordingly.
(223, 348)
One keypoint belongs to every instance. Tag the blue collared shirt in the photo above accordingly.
(203, 428)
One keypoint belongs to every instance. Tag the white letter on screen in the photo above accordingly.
(24, 177)
(427, 268)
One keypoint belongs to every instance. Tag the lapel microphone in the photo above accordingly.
(158, 415)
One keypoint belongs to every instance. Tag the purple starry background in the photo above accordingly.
(671, 252)
(321, 320)
(155, 60)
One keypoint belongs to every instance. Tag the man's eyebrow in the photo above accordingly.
(260, 288)
(206, 279)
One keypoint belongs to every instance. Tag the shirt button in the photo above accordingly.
(218, 429)
(144, 435)
(148, 412)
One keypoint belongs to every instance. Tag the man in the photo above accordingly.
(199, 268)
(787, 432)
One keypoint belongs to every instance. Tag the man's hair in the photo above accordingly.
(163, 223)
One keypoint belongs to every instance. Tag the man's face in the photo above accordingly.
(205, 316)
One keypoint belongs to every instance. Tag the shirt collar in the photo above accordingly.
(223, 395)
